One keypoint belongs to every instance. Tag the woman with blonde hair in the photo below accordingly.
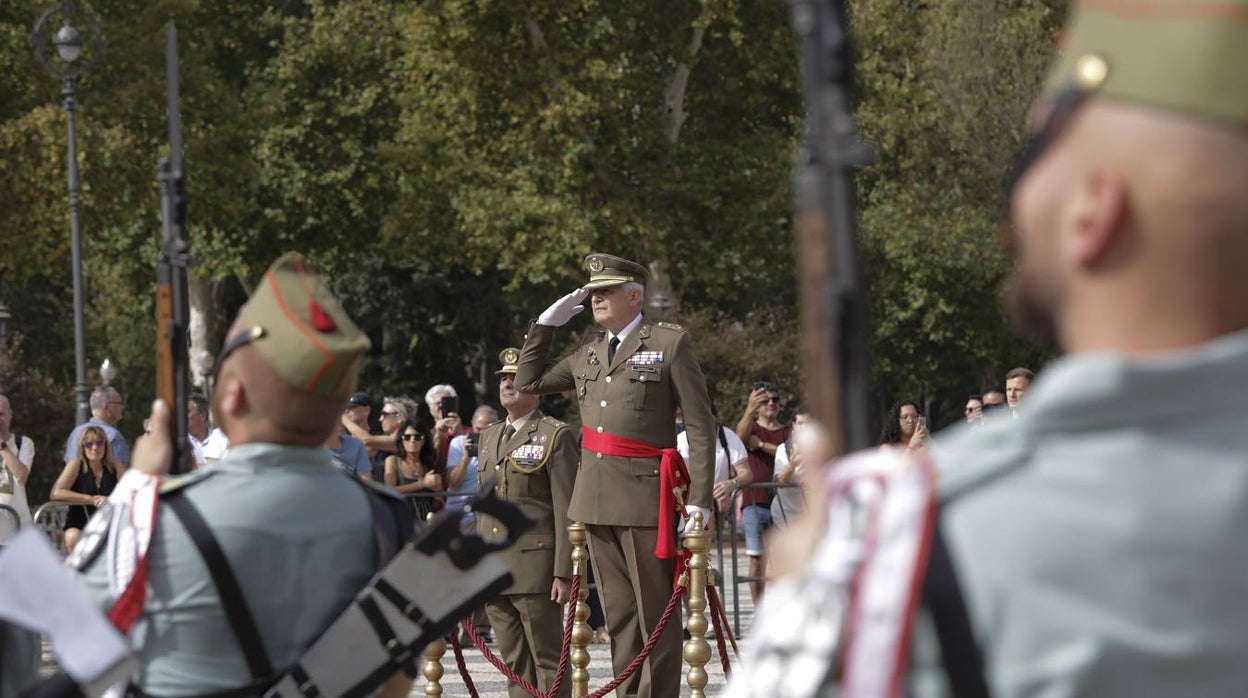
(86, 481)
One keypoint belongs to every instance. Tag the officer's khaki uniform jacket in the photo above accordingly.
(636, 397)
(535, 469)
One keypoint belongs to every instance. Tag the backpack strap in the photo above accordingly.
(232, 600)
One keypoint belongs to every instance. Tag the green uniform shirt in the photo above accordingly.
(1099, 538)
(299, 537)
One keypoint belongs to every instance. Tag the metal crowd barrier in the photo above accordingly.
(50, 518)
(10, 523)
(731, 520)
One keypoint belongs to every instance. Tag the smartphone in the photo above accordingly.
(760, 385)
(472, 441)
(922, 422)
(448, 405)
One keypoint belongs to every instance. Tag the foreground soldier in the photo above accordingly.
(533, 459)
(1093, 547)
(629, 379)
(297, 537)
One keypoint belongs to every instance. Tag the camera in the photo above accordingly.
(471, 443)
(448, 405)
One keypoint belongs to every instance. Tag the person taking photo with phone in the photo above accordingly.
(905, 428)
(762, 432)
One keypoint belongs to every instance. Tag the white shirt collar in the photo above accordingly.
(626, 331)
(519, 423)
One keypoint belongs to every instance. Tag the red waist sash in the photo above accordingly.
(673, 479)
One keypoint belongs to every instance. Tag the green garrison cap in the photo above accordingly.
(301, 330)
(1185, 55)
(608, 270)
(509, 358)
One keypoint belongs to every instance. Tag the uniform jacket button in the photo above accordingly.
(608, 379)
(656, 471)
(603, 403)
(495, 529)
(599, 456)
(600, 430)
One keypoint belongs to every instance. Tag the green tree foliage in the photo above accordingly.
(944, 90)
(448, 163)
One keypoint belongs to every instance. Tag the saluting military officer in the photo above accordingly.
(1094, 546)
(296, 535)
(533, 459)
(629, 379)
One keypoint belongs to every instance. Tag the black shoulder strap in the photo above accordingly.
(17, 443)
(232, 600)
(723, 441)
(959, 653)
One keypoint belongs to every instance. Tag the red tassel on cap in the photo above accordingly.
(319, 318)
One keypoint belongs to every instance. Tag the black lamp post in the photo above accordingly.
(69, 44)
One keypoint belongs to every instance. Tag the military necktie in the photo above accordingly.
(611, 347)
(508, 432)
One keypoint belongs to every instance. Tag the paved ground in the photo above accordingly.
(491, 684)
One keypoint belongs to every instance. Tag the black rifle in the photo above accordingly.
(173, 313)
(835, 328)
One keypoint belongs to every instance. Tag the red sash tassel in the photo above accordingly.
(673, 475)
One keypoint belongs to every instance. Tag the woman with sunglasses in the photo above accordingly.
(86, 481)
(411, 468)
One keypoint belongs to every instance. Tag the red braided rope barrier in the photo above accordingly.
(498, 663)
(461, 663)
(512, 676)
(719, 641)
(653, 640)
(528, 688)
(565, 652)
(717, 605)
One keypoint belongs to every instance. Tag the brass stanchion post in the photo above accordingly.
(697, 651)
(581, 632)
(432, 670)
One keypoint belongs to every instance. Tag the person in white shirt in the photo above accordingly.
(790, 502)
(730, 458)
(17, 454)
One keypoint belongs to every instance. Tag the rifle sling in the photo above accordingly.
(959, 652)
(232, 600)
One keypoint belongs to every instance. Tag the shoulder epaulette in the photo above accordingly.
(591, 337)
(671, 326)
(551, 421)
(178, 482)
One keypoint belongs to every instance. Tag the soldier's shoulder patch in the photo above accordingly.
(552, 422)
(591, 337)
(671, 326)
(179, 482)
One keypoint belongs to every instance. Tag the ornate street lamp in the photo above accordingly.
(108, 372)
(69, 44)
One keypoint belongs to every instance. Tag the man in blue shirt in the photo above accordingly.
(106, 408)
(461, 464)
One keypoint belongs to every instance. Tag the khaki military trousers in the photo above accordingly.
(635, 587)
(529, 631)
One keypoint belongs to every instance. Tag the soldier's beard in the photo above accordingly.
(1031, 307)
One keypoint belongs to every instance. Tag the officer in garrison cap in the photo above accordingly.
(533, 459)
(295, 537)
(1094, 546)
(629, 378)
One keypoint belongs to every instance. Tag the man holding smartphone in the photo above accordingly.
(763, 433)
